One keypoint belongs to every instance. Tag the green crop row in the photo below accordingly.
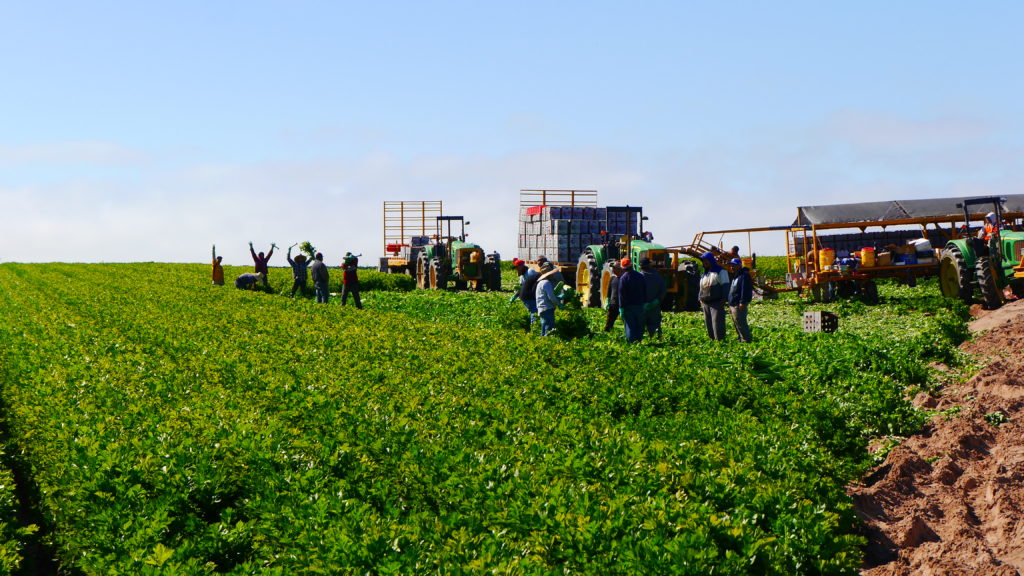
(174, 427)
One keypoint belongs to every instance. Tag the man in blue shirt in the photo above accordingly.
(741, 292)
(632, 299)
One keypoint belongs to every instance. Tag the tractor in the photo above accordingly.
(991, 261)
(451, 258)
(594, 270)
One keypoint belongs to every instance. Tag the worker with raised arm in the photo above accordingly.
(260, 262)
(218, 270)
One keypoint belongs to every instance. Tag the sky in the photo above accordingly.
(150, 131)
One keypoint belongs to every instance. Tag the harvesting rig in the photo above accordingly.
(594, 268)
(991, 261)
(451, 258)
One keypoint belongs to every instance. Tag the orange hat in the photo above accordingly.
(516, 262)
(626, 263)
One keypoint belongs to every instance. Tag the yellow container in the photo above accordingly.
(826, 256)
(867, 257)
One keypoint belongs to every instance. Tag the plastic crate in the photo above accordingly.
(820, 321)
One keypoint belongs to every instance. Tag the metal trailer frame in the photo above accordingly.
(582, 198)
(404, 219)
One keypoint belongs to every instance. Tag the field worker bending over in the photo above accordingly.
(260, 261)
(741, 292)
(632, 299)
(300, 272)
(318, 270)
(714, 290)
(248, 281)
(546, 299)
(350, 279)
(218, 270)
(527, 293)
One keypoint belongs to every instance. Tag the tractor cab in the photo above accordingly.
(451, 257)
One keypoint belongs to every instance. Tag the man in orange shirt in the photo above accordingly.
(218, 270)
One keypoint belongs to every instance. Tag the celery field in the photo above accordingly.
(156, 424)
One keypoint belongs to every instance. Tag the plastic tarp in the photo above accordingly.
(897, 210)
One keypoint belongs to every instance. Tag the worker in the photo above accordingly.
(218, 270)
(350, 279)
(613, 298)
(527, 293)
(318, 270)
(632, 299)
(547, 302)
(260, 262)
(248, 280)
(741, 292)
(655, 287)
(300, 272)
(714, 291)
(991, 226)
(734, 252)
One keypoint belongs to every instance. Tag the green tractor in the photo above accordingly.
(451, 259)
(594, 269)
(990, 261)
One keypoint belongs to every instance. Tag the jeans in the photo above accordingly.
(531, 307)
(323, 294)
(652, 318)
(547, 322)
(633, 318)
(611, 317)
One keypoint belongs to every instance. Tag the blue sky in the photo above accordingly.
(148, 131)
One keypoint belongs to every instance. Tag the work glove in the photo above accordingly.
(622, 312)
(512, 299)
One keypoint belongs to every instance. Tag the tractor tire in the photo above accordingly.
(588, 279)
(991, 294)
(422, 273)
(604, 284)
(689, 286)
(845, 289)
(492, 272)
(438, 277)
(869, 292)
(955, 277)
(460, 284)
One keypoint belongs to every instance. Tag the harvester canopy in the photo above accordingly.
(894, 211)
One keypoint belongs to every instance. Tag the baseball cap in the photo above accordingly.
(625, 262)
(707, 256)
(735, 261)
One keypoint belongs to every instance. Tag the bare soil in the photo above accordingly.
(950, 500)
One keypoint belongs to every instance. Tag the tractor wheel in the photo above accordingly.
(422, 272)
(869, 292)
(438, 278)
(605, 283)
(492, 273)
(460, 284)
(845, 289)
(991, 294)
(689, 286)
(588, 279)
(954, 276)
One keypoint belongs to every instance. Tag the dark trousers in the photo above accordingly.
(352, 289)
(298, 286)
(633, 318)
(613, 315)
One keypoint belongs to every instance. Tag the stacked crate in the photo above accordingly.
(562, 232)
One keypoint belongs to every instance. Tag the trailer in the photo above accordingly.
(559, 225)
(408, 226)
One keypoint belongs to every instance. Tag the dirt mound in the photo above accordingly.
(950, 500)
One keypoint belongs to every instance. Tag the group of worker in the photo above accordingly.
(302, 269)
(637, 295)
